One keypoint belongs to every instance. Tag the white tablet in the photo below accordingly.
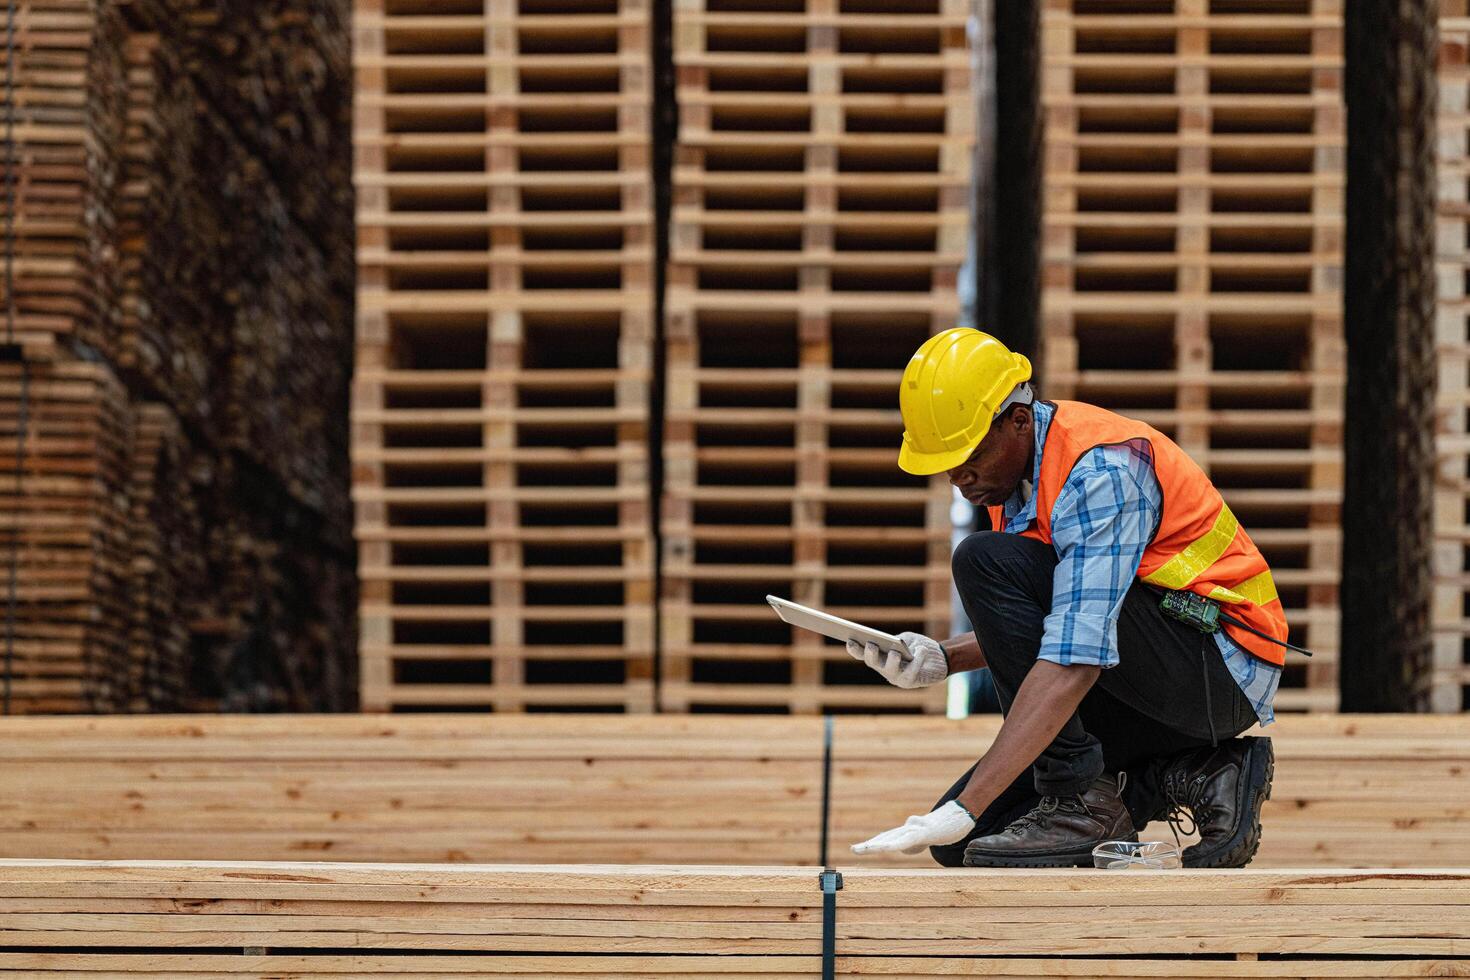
(836, 627)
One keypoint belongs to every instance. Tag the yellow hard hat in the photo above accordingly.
(951, 389)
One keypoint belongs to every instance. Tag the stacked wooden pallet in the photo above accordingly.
(820, 215)
(504, 347)
(1450, 682)
(1192, 261)
(1350, 791)
(303, 919)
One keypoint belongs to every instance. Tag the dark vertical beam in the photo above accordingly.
(1389, 294)
(1010, 287)
(665, 130)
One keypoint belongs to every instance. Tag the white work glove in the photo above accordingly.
(946, 825)
(926, 664)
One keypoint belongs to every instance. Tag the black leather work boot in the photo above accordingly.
(1221, 791)
(1060, 832)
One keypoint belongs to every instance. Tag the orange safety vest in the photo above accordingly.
(1199, 546)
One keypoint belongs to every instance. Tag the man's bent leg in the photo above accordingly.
(1005, 584)
(1173, 722)
(1169, 693)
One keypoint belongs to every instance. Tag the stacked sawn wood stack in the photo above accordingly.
(177, 919)
(1192, 257)
(1350, 791)
(504, 344)
(820, 214)
(1449, 683)
(182, 288)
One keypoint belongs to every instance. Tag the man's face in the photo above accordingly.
(998, 464)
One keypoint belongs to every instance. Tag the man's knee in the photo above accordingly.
(982, 556)
(979, 551)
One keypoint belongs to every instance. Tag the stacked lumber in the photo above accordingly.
(1350, 791)
(171, 265)
(1192, 230)
(1449, 684)
(277, 627)
(182, 225)
(504, 346)
(820, 209)
(166, 535)
(68, 89)
(188, 918)
(463, 788)
(65, 526)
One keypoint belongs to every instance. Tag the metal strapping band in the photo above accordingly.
(831, 881)
(826, 786)
(1201, 553)
(831, 884)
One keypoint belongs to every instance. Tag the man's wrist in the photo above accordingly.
(962, 653)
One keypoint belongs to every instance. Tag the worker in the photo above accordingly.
(1093, 601)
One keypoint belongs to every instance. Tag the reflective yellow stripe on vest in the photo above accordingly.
(1201, 553)
(1259, 589)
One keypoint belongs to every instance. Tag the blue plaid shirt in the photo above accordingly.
(1103, 519)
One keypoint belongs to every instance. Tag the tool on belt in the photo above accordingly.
(1205, 615)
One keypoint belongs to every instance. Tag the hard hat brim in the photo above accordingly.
(928, 464)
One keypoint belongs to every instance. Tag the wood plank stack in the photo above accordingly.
(157, 918)
(182, 229)
(504, 352)
(1449, 685)
(167, 535)
(68, 89)
(820, 187)
(67, 534)
(1192, 254)
(1350, 791)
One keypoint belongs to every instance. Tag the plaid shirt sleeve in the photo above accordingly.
(1101, 523)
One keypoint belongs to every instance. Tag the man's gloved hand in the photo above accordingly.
(927, 663)
(946, 825)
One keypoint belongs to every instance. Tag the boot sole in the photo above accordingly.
(1066, 859)
(1251, 795)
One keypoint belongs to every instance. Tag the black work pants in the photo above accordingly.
(1170, 692)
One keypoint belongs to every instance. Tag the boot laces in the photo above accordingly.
(1044, 810)
(1184, 791)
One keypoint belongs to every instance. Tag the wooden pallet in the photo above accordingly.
(1349, 791)
(1192, 263)
(162, 918)
(1449, 684)
(821, 181)
(65, 525)
(504, 356)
